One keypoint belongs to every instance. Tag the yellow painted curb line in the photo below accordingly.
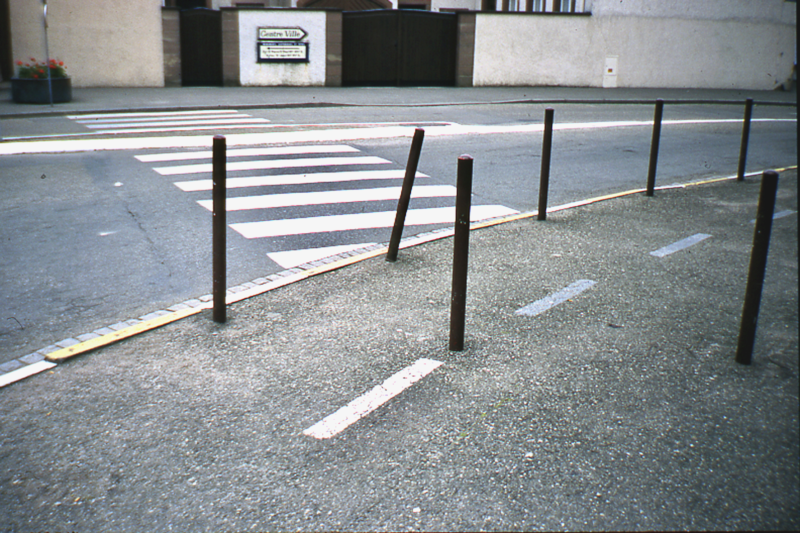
(105, 340)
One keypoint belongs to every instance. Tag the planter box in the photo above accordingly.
(35, 91)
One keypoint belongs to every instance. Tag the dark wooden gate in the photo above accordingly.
(201, 47)
(398, 47)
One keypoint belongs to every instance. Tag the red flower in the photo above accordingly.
(19, 63)
(36, 76)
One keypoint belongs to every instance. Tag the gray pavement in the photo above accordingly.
(619, 408)
(94, 99)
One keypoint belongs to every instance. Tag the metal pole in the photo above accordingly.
(748, 114)
(544, 175)
(405, 194)
(47, 53)
(218, 226)
(458, 300)
(651, 173)
(758, 267)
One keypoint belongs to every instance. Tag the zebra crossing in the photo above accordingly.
(310, 202)
(167, 121)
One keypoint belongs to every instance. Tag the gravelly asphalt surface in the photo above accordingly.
(621, 408)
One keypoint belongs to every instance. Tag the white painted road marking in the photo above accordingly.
(268, 201)
(249, 152)
(292, 258)
(24, 372)
(380, 219)
(273, 163)
(365, 404)
(779, 214)
(540, 306)
(329, 135)
(296, 179)
(680, 245)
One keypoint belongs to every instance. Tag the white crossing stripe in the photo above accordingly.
(293, 258)
(358, 221)
(249, 152)
(273, 163)
(152, 114)
(540, 306)
(268, 201)
(188, 122)
(166, 121)
(363, 405)
(680, 245)
(296, 179)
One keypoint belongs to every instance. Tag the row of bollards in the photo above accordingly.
(766, 206)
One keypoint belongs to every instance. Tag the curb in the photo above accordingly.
(46, 358)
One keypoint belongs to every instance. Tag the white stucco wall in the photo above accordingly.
(113, 43)
(651, 51)
(290, 74)
(743, 10)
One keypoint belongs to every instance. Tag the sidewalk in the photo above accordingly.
(125, 99)
(619, 408)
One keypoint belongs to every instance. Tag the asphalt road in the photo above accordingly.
(96, 237)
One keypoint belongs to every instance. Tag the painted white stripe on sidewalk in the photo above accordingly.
(24, 372)
(181, 128)
(680, 245)
(363, 405)
(779, 214)
(192, 122)
(249, 152)
(273, 163)
(540, 306)
(293, 258)
(381, 219)
(269, 201)
(297, 179)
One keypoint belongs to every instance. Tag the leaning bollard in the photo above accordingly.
(544, 175)
(748, 114)
(458, 300)
(651, 173)
(218, 226)
(405, 195)
(758, 266)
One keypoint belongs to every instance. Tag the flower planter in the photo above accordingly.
(37, 91)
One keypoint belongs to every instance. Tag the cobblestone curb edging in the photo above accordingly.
(47, 357)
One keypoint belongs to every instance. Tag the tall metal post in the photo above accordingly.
(405, 194)
(458, 300)
(47, 53)
(748, 114)
(218, 226)
(544, 175)
(758, 267)
(651, 173)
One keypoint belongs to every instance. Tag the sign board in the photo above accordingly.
(281, 34)
(282, 51)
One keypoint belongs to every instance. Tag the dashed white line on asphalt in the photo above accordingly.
(680, 245)
(540, 306)
(779, 214)
(24, 372)
(363, 405)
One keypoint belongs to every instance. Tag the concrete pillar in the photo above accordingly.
(171, 41)
(333, 49)
(465, 49)
(230, 47)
